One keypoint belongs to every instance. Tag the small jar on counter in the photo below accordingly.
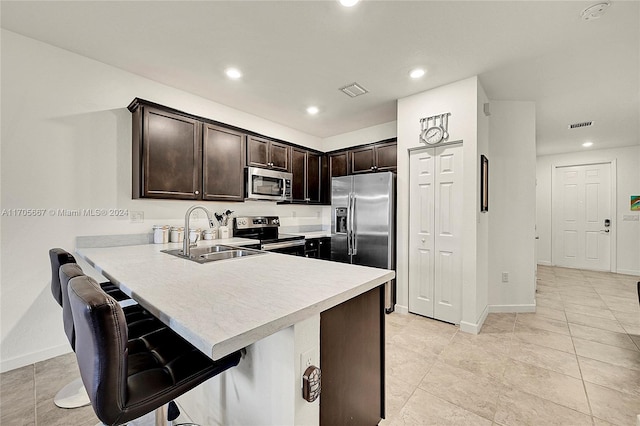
(208, 234)
(194, 235)
(160, 234)
(176, 234)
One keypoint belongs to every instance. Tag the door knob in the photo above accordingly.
(422, 239)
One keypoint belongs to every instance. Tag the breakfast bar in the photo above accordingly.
(271, 304)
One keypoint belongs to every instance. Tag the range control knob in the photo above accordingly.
(276, 221)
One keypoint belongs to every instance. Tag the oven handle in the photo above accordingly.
(285, 244)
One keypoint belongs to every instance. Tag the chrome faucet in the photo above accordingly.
(186, 244)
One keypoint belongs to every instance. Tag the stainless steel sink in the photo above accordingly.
(214, 253)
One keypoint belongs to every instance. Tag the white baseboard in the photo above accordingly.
(628, 272)
(544, 262)
(474, 328)
(512, 308)
(401, 309)
(33, 357)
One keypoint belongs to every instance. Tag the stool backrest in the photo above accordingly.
(58, 258)
(101, 347)
(66, 273)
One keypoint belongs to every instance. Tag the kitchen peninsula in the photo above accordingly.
(283, 309)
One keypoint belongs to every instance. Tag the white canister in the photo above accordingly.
(157, 234)
(207, 234)
(194, 235)
(176, 234)
(223, 232)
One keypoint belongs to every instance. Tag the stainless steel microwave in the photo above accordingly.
(266, 184)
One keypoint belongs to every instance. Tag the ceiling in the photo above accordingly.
(298, 53)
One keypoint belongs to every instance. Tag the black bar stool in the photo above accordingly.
(73, 395)
(126, 377)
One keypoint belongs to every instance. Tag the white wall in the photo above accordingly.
(512, 207)
(360, 137)
(66, 144)
(627, 183)
(482, 230)
(461, 100)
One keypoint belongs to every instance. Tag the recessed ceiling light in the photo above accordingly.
(313, 110)
(348, 3)
(233, 73)
(587, 144)
(416, 73)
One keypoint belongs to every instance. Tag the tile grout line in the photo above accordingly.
(584, 386)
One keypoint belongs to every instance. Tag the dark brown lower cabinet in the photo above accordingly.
(352, 361)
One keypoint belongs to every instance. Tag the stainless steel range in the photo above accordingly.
(265, 229)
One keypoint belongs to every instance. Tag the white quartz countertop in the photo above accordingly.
(226, 305)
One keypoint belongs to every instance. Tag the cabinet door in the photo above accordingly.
(257, 152)
(338, 164)
(299, 170)
(386, 157)
(352, 353)
(324, 248)
(363, 160)
(314, 179)
(170, 155)
(279, 156)
(222, 164)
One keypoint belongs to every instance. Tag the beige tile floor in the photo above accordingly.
(576, 361)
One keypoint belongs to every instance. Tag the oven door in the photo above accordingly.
(295, 247)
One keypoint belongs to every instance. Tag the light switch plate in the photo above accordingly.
(631, 218)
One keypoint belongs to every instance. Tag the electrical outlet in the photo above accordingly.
(136, 217)
(505, 277)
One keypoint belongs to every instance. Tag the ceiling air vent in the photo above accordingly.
(353, 90)
(578, 125)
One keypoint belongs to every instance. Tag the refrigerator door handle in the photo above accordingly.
(354, 242)
(349, 229)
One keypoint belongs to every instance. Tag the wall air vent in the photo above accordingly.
(353, 90)
(578, 125)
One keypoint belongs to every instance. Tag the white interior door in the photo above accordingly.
(448, 229)
(581, 205)
(435, 263)
(421, 233)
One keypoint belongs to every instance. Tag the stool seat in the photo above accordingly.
(127, 377)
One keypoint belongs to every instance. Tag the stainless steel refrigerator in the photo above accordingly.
(363, 223)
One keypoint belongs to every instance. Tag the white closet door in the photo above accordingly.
(435, 216)
(421, 232)
(448, 229)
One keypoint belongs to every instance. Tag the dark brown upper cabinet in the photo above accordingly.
(266, 153)
(306, 167)
(179, 156)
(166, 154)
(338, 164)
(223, 159)
(378, 157)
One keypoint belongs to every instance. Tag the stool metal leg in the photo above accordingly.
(73, 395)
